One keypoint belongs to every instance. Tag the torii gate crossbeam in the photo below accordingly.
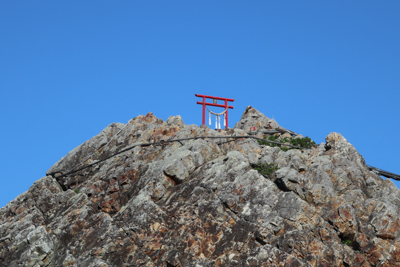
(225, 106)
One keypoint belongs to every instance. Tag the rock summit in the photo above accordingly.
(162, 193)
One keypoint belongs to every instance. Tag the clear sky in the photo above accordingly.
(70, 68)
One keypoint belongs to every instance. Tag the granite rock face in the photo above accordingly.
(200, 202)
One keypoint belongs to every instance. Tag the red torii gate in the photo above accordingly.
(204, 103)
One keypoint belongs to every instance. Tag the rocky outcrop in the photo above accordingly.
(200, 202)
(252, 117)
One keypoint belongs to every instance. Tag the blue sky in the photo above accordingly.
(70, 68)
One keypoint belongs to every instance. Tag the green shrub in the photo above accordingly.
(271, 138)
(284, 148)
(76, 190)
(266, 169)
(285, 140)
(305, 142)
(347, 242)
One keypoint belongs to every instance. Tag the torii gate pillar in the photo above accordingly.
(225, 106)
